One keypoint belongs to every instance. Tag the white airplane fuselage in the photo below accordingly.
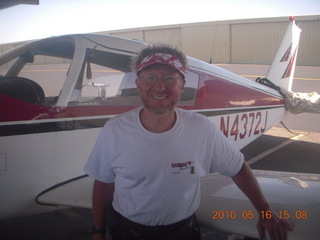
(31, 163)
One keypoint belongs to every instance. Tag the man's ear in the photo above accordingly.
(183, 83)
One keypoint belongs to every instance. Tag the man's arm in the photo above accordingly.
(248, 184)
(102, 196)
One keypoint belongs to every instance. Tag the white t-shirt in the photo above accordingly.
(157, 175)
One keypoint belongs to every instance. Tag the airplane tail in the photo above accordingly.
(281, 74)
(282, 68)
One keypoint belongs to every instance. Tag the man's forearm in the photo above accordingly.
(249, 185)
(277, 228)
(102, 196)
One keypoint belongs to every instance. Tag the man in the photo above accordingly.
(134, 157)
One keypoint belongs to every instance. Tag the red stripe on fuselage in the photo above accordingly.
(213, 93)
(219, 93)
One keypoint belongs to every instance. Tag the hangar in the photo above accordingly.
(245, 41)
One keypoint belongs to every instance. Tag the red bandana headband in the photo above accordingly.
(161, 58)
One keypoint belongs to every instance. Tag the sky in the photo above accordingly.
(59, 17)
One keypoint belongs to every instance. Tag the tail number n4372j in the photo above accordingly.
(244, 125)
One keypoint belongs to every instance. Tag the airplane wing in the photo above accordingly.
(294, 196)
(76, 192)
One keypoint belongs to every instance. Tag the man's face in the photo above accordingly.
(158, 97)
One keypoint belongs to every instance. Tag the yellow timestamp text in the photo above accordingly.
(224, 214)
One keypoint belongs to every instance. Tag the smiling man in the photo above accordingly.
(160, 83)
(148, 162)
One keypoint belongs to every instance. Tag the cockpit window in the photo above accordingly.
(105, 80)
(188, 97)
(108, 87)
(37, 75)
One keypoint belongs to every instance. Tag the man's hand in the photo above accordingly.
(275, 226)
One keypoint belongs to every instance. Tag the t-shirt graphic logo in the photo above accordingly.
(192, 170)
(183, 167)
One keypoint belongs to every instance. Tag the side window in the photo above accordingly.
(108, 87)
(128, 91)
(101, 84)
(36, 74)
(188, 97)
(50, 77)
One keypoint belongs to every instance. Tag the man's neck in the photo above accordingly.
(157, 123)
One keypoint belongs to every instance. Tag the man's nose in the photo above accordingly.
(159, 84)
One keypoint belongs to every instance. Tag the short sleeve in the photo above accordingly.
(98, 164)
(226, 158)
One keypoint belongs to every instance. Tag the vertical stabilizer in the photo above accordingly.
(282, 68)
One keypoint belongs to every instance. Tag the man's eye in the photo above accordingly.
(169, 79)
(150, 78)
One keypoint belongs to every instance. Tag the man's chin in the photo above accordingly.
(160, 111)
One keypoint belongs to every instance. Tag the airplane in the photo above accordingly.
(51, 116)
